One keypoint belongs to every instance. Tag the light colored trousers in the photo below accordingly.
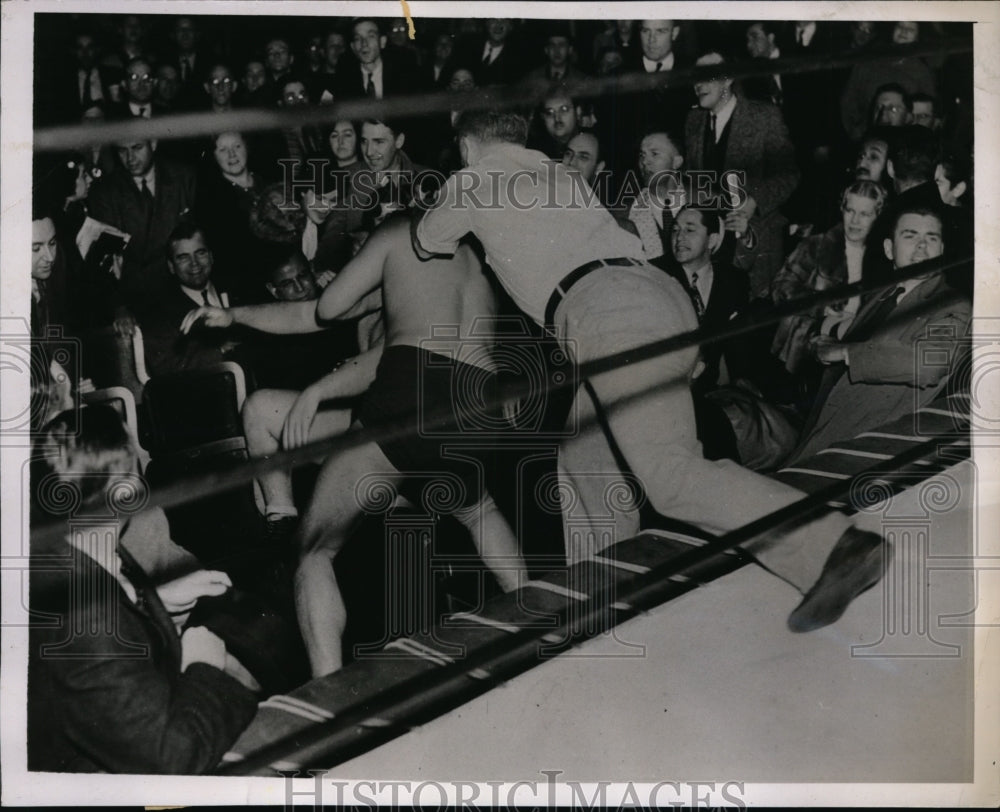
(643, 422)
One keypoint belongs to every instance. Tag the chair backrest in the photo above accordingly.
(122, 401)
(194, 408)
(110, 361)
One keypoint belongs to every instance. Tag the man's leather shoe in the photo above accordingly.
(855, 565)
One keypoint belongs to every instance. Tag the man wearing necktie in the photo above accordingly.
(880, 371)
(191, 264)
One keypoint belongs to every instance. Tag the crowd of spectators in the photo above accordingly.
(817, 179)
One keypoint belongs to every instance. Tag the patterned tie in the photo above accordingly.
(699, 303)
(369, 86)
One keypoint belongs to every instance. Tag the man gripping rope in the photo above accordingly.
(568, 265)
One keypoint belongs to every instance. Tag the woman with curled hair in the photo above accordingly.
(821, 262)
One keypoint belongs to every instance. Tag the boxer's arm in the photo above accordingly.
(345, 296)
(438, 232)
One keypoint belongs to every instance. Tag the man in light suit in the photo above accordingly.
(726, 133)
(875, 375)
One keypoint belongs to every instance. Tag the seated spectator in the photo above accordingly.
(872, 157)
(372, 76)
(146, 197)
(220, 86)
(322, 83)
(400, 48)
(85, 83)
(891, 107)
(652, 212)
(227, 193)
(762, 45)
(191, 262)
(726, 132)
(168, 87)
(610, 62)
(254, 90)
(953, 177)
(278, 62)
(874, 374)
(583, 154)
(912, 163)
(437, 71)
(439, 147)
(822, 262)
(496, 56)
(618, 36)
(559, 56)
(388, 183)
(718, 292)
(556, 122)
(911, 73)
(299, 144)
(188, 56)
(139, 696)
(925, 111)
(302, 372)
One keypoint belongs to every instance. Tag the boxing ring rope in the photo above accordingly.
(427, 695)
(69, 138)
(203, 485)
(419, 699)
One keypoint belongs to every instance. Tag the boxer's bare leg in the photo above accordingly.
(337, 505)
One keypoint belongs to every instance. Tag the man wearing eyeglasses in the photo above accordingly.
(139, 85)
(891, 107)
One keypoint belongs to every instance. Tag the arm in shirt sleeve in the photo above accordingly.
(437, 233)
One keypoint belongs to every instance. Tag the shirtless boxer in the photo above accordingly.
(417, 296)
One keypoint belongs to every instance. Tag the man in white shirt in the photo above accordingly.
(571, 268)
(139, 86)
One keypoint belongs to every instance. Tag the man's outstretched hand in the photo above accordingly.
(207, 317)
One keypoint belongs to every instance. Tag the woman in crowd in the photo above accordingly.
(821, 262)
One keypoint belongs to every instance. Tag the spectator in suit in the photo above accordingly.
(925, 111)
(729, 133)
(220, 87)
(718, 292)
(400, 48)
(441, 65)
(138, 87)
(762, 45)
(872, 156)
(146, 197)
(619, 36)
(323, 83)
(138, 696)
(559, 56)
(625, 118)
(189, 59)
(86, 83)
(372, 75)
(583, 155)
(190, 262)
(912, 73)
(167, 87)
(132, 35)
(662, 196)
(891, 107)
(496, 58)
(557, 120)
(278, 62)
(953, 176)
(873, 375)
(254, 91)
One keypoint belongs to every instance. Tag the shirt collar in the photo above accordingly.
(726, 113)
(195, 295)
(149, 177)
(807, 32)
(667, 63)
